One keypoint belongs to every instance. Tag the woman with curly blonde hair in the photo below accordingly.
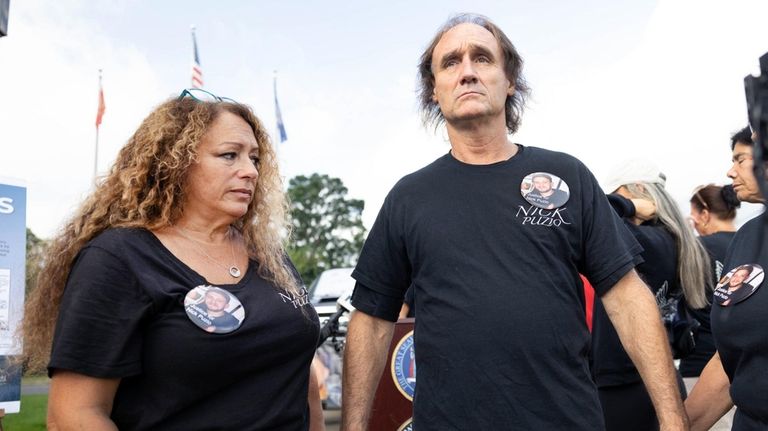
(168, 299)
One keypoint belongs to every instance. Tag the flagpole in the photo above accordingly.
(96, 146)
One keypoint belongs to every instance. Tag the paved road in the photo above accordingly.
(332, 420)
(35, 389)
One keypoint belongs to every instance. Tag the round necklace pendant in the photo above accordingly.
(234, 271)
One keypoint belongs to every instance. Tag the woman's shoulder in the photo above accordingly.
(117, 238)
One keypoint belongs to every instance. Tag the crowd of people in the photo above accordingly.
(169, 302)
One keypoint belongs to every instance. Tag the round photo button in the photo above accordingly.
(213, 309)
(545, 190)
(738, 284)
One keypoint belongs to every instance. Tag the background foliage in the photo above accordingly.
(328, 230)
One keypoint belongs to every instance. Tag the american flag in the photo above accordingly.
(197, 71)
(102, 107)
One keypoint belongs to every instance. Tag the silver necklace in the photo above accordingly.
(233, 270)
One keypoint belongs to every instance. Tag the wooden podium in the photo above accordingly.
(393, 402)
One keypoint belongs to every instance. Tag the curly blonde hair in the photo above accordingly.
(145, 188)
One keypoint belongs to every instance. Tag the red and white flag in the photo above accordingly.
(102, 107)
(197, 70)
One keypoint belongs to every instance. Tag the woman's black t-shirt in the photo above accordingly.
(740, 330)
(691, 366)
(123, 316)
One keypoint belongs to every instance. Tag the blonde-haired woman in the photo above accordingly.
(184, 232)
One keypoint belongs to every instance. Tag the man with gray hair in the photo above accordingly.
(501, 339)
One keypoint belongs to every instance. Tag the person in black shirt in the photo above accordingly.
(543, 194)
(735, 288)
(193, 203)
(675, 264)
(736, 373)
(713, 210)
(212, 314)
(501, 337)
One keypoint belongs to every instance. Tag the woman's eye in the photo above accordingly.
(229, 156)
(255, 160)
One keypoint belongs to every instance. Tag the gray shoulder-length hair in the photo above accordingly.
(693, 263)
(512, 63)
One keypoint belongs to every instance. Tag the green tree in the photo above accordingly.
(35, 252)
(328, 229)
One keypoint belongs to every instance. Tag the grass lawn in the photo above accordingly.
(32, 416)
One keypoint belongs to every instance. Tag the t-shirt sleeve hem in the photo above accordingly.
(378, 287)
(376, 304)
(605, 280)
(94, 370)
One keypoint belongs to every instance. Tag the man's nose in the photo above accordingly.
(731, 172)
(468, 72)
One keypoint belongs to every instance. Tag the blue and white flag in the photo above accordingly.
(278, 116)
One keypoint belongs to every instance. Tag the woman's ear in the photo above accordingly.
(624, 191)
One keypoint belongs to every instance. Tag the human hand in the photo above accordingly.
(644, 209)
(674, 422)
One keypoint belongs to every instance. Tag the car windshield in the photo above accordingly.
(331, 284)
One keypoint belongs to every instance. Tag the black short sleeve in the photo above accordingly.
(623, 206)
(384, 266)
(376, 304)
(610, 249)
(98, 328)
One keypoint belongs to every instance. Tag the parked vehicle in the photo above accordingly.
(330, 294)
(327, 289)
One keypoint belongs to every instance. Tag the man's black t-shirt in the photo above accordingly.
(123, 316)
(691, 366)
(740, 330)
(501, 339)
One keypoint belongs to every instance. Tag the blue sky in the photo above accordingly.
(610, 79)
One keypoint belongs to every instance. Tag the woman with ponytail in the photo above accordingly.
(713, 209)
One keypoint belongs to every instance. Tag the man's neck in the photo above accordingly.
(480, 145)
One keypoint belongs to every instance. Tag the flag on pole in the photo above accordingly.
(102, 107)
(197, 71)
(278, 116)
